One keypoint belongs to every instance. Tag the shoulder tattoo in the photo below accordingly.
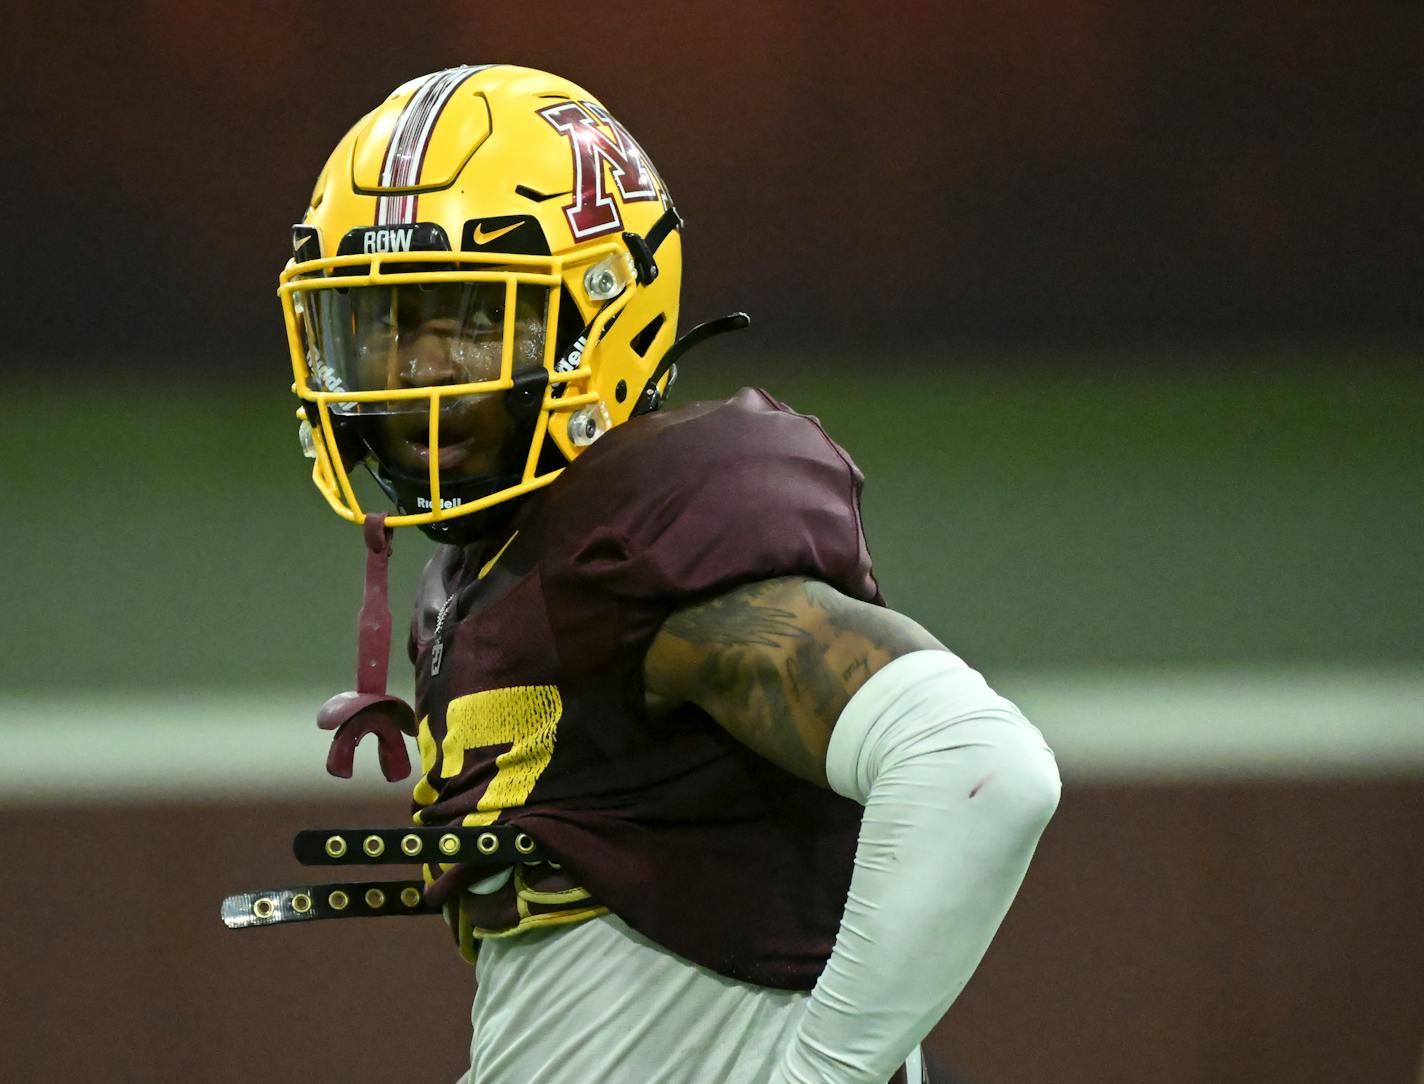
(775, 662)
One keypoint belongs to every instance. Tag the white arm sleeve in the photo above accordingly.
(957, 787)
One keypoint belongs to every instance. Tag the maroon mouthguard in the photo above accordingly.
(369, 709)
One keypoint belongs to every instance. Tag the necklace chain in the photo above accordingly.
(437, 652)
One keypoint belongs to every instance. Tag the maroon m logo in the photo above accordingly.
(593, 212)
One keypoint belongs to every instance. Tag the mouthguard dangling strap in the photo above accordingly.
(369, 709)
(373, 640)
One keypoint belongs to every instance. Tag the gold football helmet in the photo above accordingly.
(486, 281)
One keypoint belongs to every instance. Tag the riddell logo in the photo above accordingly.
(570, 361)
(325, 375)
(423, 503)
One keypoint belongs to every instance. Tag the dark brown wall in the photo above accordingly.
(1051, 170)
(1224, 934)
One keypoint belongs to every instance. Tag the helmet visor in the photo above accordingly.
(411, 338)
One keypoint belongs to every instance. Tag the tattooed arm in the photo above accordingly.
(775, 662)
(956, 785)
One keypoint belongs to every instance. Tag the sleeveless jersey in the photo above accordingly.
(530, 695)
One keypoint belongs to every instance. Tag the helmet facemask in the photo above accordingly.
(443, 373)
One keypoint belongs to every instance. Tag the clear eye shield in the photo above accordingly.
(408, 339)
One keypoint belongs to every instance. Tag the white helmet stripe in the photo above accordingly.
(405, 154)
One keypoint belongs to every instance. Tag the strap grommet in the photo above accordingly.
(410, 844)
(487, 843)
(375, 899)
(449, 844)
(410, 897)
(264, 907)
(301, 903)
(374, 846)
(523, 843)
(336, 847)
(338, 900)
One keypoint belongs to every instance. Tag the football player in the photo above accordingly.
(785, 820)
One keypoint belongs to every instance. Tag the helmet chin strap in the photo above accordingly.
(644, 250)
(649, 400)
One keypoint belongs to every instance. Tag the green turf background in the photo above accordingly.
(1058, 513)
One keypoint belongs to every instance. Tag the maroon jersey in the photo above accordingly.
(533, 708)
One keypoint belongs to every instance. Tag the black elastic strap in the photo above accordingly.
(491, 847)
(494, 845)
(669, 221)
(306, 903)
(644, 250)
(649, 400)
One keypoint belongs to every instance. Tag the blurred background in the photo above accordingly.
(1118, 308)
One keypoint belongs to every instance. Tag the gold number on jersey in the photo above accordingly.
(525, 717)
